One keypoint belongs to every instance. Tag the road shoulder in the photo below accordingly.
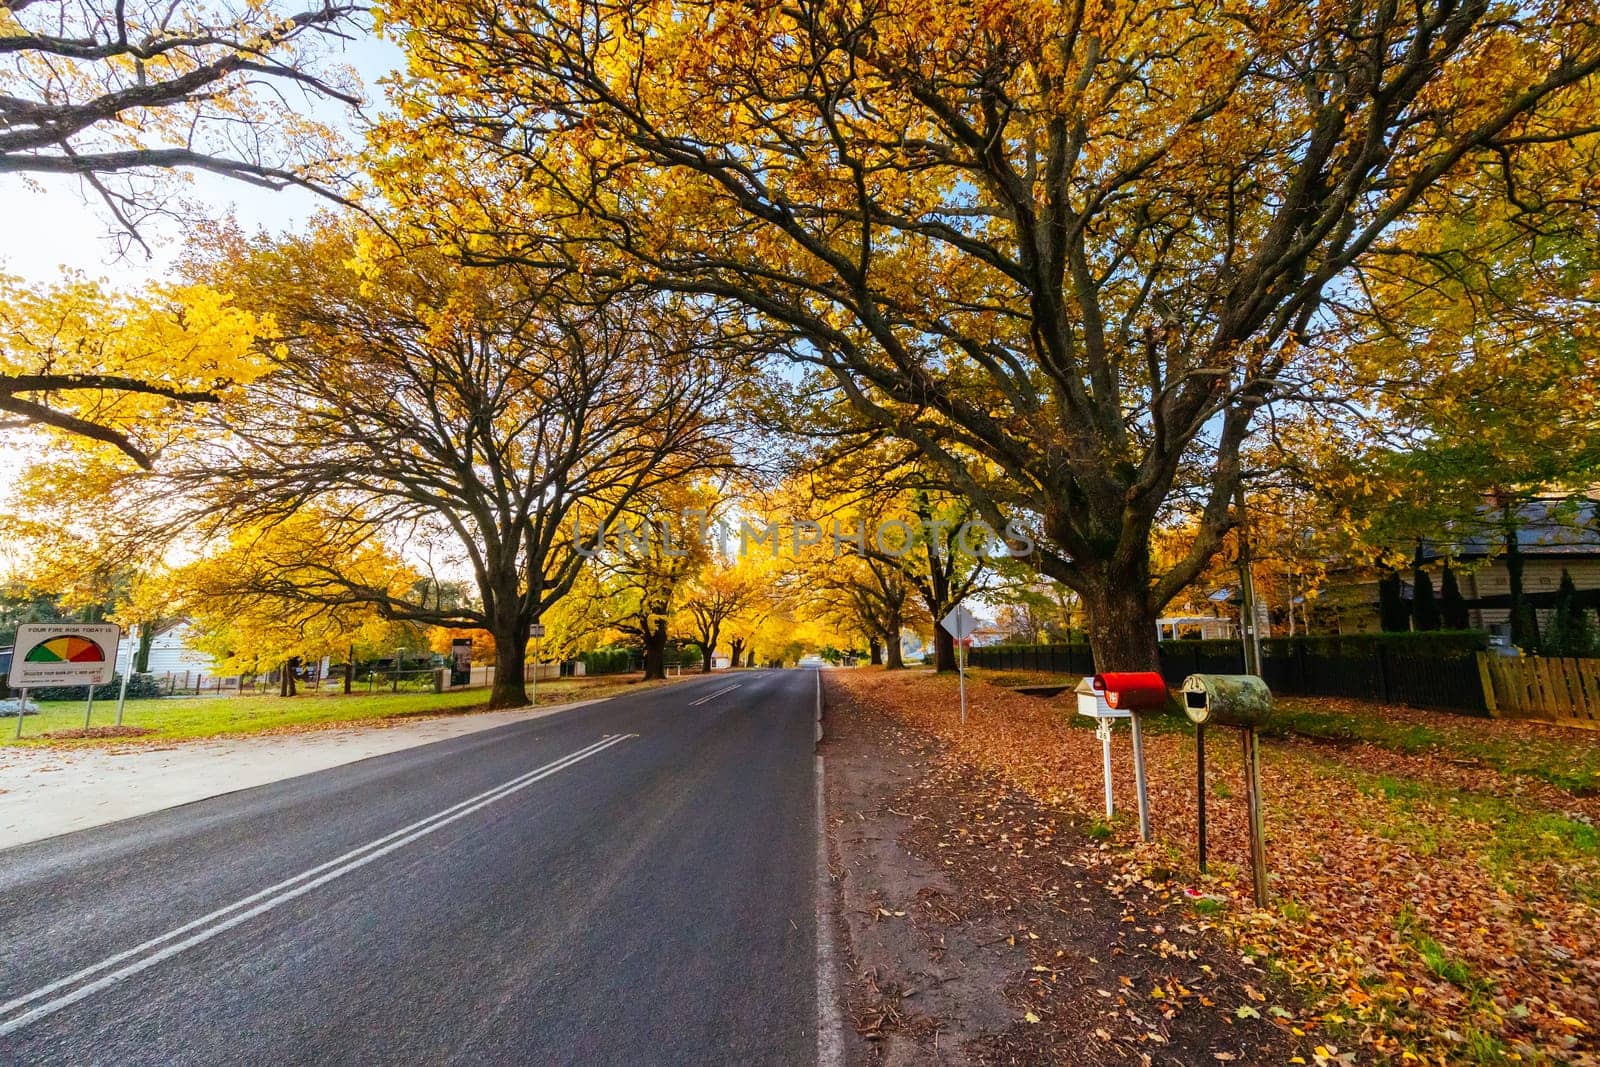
(984, 927)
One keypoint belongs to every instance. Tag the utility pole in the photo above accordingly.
(1249, 631)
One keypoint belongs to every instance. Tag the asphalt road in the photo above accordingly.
(632, 882)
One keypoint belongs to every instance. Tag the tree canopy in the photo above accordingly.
(1083, 242)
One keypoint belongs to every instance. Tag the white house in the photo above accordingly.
(170, 652)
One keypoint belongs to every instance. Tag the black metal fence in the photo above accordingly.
(1423, 670)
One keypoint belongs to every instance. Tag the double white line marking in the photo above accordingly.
(713, 696)
(15, 1014)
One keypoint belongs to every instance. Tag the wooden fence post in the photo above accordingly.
(1258, 833)
(1488, 685)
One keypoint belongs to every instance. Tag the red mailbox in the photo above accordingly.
(1132, 690)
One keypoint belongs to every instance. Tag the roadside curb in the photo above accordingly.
(830, 1019)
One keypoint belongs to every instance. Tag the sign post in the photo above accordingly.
(122, 693)
(961, 624)
(64, 653)
(535, 631)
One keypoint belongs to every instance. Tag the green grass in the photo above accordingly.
(1435, 958)
(1567, 760)
(1570, 762)
(1516, 834)
(176, 718)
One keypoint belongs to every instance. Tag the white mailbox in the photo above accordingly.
(1093, 704)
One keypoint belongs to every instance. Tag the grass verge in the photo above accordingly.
(181, 718)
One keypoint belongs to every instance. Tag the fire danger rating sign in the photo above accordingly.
(64, 653)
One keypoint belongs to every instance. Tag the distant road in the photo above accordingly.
(631, 882)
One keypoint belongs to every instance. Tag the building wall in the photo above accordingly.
(1538, 576)
(170, 653)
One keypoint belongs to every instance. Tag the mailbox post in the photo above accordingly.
(1134, 692)
(1093, 704)
(1243, 701)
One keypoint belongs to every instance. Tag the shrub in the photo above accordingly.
(140, 687)
(606, 661)
(1392, 613)
(1452, 605)
(1570, 633)
(1424, 608)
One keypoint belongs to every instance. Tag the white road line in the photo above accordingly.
(713, 696)
(830, 1015)
(819, 705)
(110, 961)
(273, 896)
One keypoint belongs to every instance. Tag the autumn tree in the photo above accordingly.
(1468, 370)
(885, 502)
(641, 563)
(461, 415)
(102, 91)
(877, 598)
(1086, 242)
(118, 95)
(272, 596)
(719, 596)
(119, 368)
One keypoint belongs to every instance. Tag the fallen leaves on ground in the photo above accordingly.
(1446, 918)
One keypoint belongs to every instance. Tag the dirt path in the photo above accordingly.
(985, 928)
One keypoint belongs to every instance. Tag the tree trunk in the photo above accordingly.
(893, 660)
(1121, 623)
(349, 674)
(736, 652)
(875, 651)
(944, 649)
(147, 637)
(751, 660)
(708, 650)
(510, 689)
(655, 650)
(286, 679)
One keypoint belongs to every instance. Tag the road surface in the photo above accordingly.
(632, 882)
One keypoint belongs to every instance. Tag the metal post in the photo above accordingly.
(1138, 780)
(1249, 631)
(1258, 835)
(961, 671)
(22, 709)
(533, 689)
(1103, 731)
(1200, 781)
(122, 693)
(88, 704)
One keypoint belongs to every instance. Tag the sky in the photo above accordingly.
(53, 223)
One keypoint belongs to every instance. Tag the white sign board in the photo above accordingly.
(960, 623)
(64, 653)
(536, 630)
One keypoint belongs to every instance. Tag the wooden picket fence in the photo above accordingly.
(1564, 691)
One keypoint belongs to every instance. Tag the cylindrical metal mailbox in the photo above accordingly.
(1132, 690)
(1226, 699)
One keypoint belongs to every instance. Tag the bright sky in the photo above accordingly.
(54, 223)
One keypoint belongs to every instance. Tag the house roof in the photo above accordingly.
(1562, 527)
